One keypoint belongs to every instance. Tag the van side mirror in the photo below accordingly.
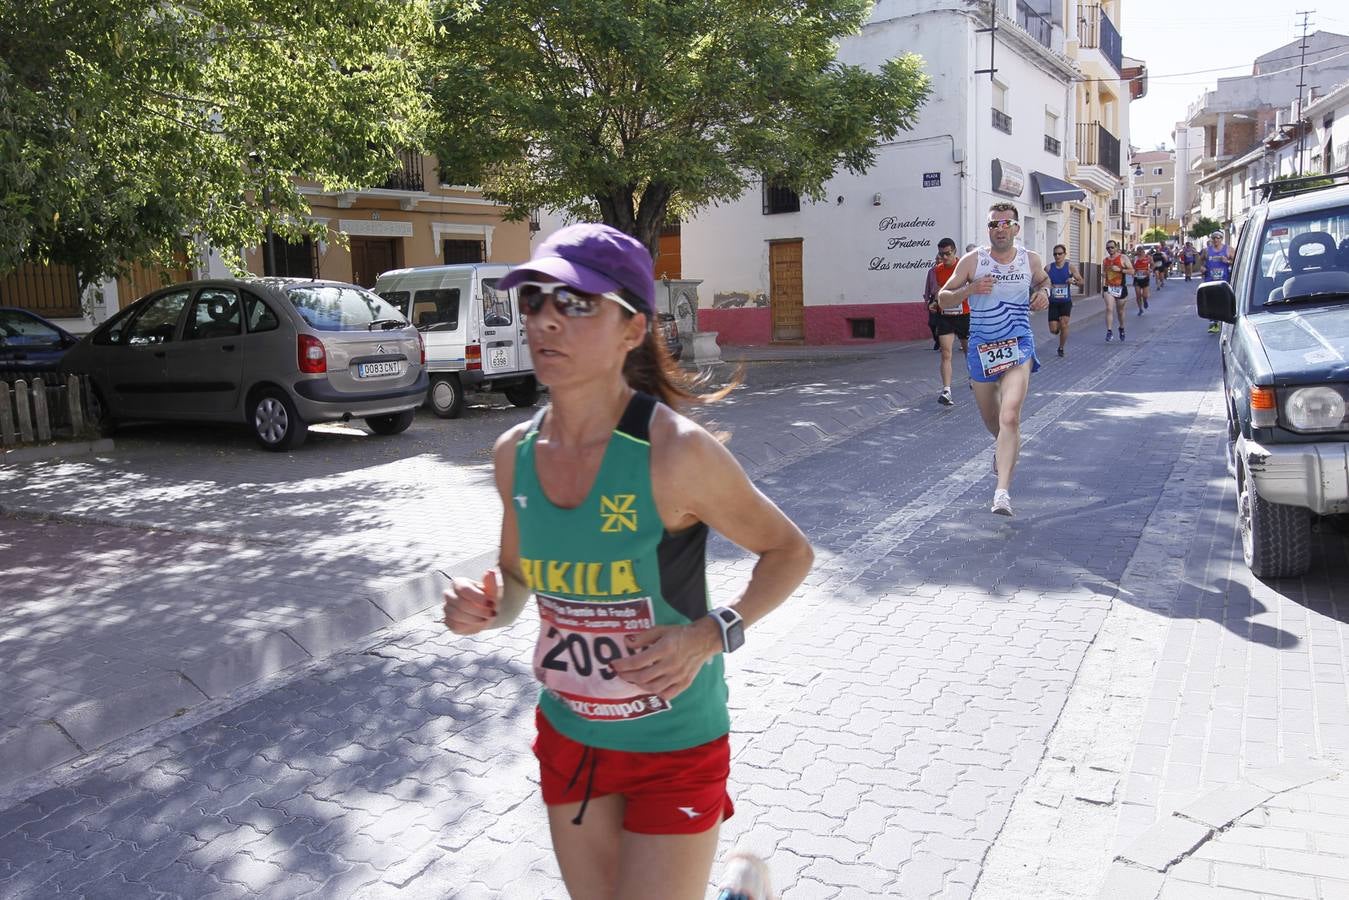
(1217, 302)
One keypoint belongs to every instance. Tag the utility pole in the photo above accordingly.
(1301, 83)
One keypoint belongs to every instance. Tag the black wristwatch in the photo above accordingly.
(732, 628)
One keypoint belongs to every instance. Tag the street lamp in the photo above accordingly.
(1138, 173)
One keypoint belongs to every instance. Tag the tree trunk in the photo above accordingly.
(616, 210)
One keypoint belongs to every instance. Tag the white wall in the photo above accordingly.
(859, 252)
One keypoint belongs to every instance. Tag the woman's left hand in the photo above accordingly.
(667, 658)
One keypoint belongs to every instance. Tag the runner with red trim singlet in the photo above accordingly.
(950, 326)
(609, 495)
(1002, 283)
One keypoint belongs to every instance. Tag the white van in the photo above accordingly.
(475, 340)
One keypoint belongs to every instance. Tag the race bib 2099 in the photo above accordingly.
(578, 641)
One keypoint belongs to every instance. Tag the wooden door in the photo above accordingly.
(785, 292)
(371, 257)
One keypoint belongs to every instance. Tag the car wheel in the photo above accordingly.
(97, 414)
(393, 423)
(276, 423)
(1275, 539)
(523, 394)
(446, 396)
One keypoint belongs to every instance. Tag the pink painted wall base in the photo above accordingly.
(880, 322)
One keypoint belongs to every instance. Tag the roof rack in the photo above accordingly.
(1287, 187)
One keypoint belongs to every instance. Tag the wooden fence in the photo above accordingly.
(43, 406)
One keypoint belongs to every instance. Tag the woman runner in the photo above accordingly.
(608, 496)
(1142, 281)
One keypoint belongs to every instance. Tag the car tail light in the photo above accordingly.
(1264, 407)
(421, 348)
(473, 355)
(313, 358)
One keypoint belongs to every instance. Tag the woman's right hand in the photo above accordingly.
(471, 606)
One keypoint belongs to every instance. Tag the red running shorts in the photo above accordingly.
(670, 792)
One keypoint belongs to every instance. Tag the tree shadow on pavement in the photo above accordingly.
(393, 758)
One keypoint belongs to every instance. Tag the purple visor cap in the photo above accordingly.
(592, 259)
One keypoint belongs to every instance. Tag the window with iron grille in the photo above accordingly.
(1052, 145)
(779, 198)
(463, 252)
(1002, 121)
(299, 259)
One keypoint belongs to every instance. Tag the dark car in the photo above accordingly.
(669, 332)
(30, 343)
(1285, 358)
(275, 353)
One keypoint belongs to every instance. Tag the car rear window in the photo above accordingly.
(329, 307)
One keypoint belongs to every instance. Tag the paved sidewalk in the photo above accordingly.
(885, 719)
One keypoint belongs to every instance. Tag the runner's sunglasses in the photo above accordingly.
(569, 303)
(1002, 223)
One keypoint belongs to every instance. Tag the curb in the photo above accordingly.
(1140, 870)
(56, 451)
(32, 749)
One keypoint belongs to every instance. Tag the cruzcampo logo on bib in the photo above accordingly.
(617, 513)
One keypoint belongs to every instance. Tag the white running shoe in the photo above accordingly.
(745, 878)
(1002, 503)
(944, 398)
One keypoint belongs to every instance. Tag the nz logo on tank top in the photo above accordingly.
(618, 514)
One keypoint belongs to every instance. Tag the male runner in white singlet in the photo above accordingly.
(1002, 284)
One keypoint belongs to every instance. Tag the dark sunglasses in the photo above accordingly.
(568, 303)
(1003, 223)
(1059, 253)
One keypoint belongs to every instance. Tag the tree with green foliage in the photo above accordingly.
(130, 129)
(1203, 227)
(1156, 235)
(628, 111)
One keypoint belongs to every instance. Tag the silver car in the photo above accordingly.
(276, 353)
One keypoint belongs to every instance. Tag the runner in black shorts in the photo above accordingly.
(1062, 276)
(949, 327)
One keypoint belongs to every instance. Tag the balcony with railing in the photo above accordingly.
(1002, 121)
(1097, 32)
(1052, 145)
(410, 174)
(1097, 147)
(1036, 24)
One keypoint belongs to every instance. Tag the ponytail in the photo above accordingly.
(650, 369)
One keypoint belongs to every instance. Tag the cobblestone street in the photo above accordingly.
(1094, 697)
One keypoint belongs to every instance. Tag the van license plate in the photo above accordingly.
(371, 370)
(499, 358)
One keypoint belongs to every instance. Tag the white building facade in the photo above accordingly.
(853, 266)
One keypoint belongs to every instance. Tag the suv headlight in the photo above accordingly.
(1320, 408)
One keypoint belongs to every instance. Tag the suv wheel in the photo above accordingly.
(446, 396)
(393, 423)
(1275, 539)
(524, 394)
(276, 423)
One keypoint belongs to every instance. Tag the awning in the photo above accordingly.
(1055, 190)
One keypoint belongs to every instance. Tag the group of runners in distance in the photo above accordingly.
(609, 494)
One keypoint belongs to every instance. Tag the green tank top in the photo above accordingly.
(605, 569)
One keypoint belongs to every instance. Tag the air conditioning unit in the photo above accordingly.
(1048, 207)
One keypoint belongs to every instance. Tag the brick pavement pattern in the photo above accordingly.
(884, 721)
